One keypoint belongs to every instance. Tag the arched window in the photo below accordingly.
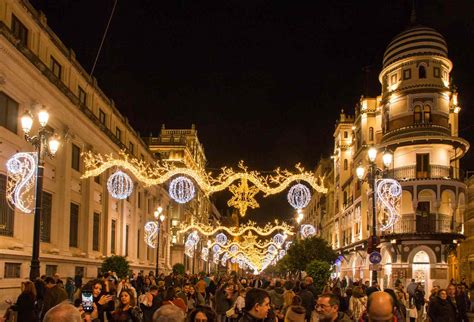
(417, 114)
(421, 72)
(345, 164)
(371, 133)
(426, 114)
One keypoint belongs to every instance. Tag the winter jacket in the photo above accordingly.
(442, 311)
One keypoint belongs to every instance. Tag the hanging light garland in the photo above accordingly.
(243, 194)
(299, 196)
(120, 185)
(181, 190)
(267, 230)
(21, 179)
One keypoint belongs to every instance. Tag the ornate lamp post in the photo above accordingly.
(373, 174)
(46, 143)
(159, 218)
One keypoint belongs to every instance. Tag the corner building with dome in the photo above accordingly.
(416, 119)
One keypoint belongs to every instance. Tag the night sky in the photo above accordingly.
(263, 81)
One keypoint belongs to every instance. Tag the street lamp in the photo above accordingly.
(46, 142)
(159, 218)
(372, 180)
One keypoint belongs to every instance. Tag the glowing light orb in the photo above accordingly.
(234, 249)
(181, 189)
(221, 239)
(204, 253)
(120, 185)
(21, 181)
(279, 239)
(216, 249)
(307, 231)
(272, 249)
(299, 196)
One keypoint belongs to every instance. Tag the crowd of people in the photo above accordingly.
(231, 298)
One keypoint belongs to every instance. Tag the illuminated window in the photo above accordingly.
(101, 116)
(426, 114)
(393, 79)
(345, 134)
(371, 133)
(406, 74)
(417, 114)
(82, 95)
(8, 113)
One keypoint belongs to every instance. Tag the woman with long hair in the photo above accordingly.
(193, 298)
(102, 299)
(25, 304)
(127, 310)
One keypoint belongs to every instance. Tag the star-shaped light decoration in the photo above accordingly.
(250, 239)
(243, 197)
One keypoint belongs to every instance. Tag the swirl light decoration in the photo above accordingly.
(151, 234)
(191, 243)
(299, 196)
(21, 181)
(307, 231)
(120, 185)
(160, 172)
(389, 193)
(181, 190)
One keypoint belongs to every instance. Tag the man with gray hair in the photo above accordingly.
(63, 312)
(168, 313)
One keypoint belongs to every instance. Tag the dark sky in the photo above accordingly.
(262, 80)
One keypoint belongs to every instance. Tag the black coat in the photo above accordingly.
(442, 311)
(25, 306)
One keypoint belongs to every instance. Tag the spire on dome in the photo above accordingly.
(413, 13)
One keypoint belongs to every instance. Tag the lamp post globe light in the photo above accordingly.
(159, 218)
(372, 174)
(46, 143)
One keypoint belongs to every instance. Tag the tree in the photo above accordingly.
(320, 272)
(178, 268)
(302, 252)
(117, 264)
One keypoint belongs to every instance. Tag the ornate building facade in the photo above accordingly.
(416, 118)
(81, 223)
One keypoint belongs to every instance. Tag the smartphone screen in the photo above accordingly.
(87, 301)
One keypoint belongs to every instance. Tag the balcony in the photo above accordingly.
(424, 225)
(434, 171)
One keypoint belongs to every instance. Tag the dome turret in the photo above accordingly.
(415, 41)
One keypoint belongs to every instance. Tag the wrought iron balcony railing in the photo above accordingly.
(423, 225)
(433, 171)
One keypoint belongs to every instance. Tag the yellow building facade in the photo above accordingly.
(81, 223)
(416, 119)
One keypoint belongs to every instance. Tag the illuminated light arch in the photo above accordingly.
(267, 230)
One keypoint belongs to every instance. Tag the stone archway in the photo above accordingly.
(421, 259)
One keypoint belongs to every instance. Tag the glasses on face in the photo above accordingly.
(322, 306)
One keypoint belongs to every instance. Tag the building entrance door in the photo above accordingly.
(421, 269)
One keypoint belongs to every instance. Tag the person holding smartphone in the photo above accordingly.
(102, 299)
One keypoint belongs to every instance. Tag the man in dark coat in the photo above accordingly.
(54, 295)
(307, 300)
